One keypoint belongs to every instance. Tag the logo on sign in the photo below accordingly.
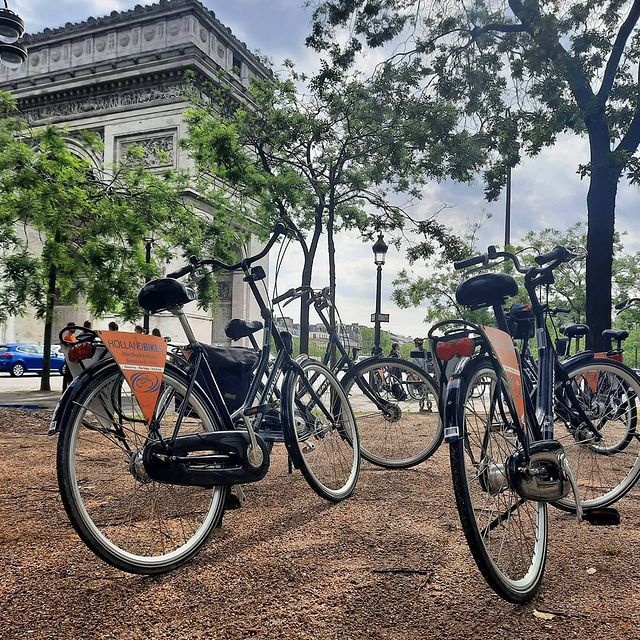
(145, 382)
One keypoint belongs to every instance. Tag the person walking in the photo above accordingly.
(112, 326)
(68, 339)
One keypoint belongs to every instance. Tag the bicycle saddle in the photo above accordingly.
(238, 328)
(486, 290)
(576, 331)
(164, 293)
(615, 334)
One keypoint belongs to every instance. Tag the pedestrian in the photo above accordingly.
(418, 354)
(396, 381)
(138, 329)
(113, 326)
(156, 332)
(87, 324)
(68, 339)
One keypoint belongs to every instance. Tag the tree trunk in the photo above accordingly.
(601, 202)
(307, 272)
(332, 277)
(45, 380)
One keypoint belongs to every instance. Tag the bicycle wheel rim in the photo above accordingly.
(325, 448)
(137, 525)
(507, 535)
(406, 430)
(606, 469)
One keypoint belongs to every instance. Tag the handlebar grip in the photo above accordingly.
(181, 272)
(621, 305)
(284, 296)
(557, 253)
(469, 262)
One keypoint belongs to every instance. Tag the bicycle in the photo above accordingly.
(144, 489)
(506, 462)
(393, 400)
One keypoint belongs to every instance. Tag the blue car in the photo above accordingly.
(18, 358)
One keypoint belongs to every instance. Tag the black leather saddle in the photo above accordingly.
(576, 331)
(486, 290)
(238, 328)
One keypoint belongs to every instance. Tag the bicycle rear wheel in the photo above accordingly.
(320, 430)
(605, 460)
(507, 535)
(396, 408)
(135, 524)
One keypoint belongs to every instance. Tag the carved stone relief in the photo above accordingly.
(141, 95)
(159, 149)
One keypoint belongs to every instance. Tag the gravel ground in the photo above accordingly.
(391, 562)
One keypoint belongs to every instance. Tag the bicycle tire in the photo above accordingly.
(605, 470)
(407, 430)
(104, 489)
(320, 430)
(507, 535)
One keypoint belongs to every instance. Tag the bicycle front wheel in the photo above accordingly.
(320, 430)
(604, 456)
(130, 521)
(507, 535)
(396, 408)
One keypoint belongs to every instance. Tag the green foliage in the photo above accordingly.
(539, 59)
(60, 218)
(437, 289)
(569, 288)
(329, 156)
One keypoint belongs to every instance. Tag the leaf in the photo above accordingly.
(591, 570)
(543, 615)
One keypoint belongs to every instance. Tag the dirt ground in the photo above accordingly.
(390, 562)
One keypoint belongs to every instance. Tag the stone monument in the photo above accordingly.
(123, 76)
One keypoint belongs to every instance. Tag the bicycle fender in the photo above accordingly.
(453, 409)
(579, 358)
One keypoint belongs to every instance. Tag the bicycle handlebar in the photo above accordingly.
(557, 253)
(469, 262)
(279, 230)
(298, 292)
(546, 261)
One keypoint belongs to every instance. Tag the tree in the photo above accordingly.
(568, 290)
(67, 231)
(328, 157)
(519, 73)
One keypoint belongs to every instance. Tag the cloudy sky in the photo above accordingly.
(546, 190)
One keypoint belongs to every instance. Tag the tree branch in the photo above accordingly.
(616, 52)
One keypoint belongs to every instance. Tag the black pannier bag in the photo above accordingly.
(232, 368)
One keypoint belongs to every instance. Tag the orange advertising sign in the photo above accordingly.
(502, 345)
(141, 359)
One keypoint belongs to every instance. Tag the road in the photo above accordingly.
(27, 382)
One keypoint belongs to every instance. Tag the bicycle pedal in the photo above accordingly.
(604, 517)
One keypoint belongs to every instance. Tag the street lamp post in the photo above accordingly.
(379, 252)
(12, 53)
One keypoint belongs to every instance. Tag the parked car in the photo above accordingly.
(18, 358)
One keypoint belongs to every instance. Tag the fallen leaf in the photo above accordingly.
(591, 570)
(543, 615)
